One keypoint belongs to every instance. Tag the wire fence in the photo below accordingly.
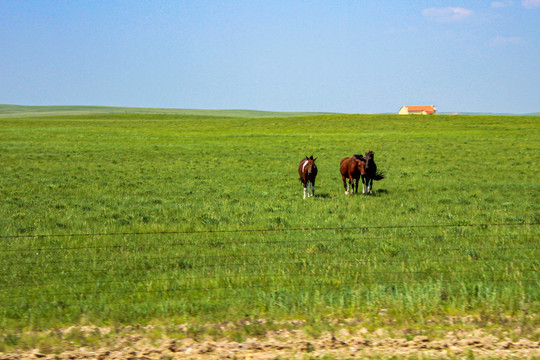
(209, 231)
(32, 272)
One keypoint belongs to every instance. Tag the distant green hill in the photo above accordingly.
(27, 111)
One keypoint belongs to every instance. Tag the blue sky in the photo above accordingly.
(334, 56)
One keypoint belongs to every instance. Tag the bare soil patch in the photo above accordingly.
(284, 344)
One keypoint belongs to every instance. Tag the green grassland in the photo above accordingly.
(136, 218)
(8, 111)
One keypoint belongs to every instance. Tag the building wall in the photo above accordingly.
(405, 111)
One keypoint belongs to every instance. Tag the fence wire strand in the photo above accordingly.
(25, 281)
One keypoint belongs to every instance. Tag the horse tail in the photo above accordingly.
(379, 175)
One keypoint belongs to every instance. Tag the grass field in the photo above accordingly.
(136, 218)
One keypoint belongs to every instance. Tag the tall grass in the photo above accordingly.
(137, 217)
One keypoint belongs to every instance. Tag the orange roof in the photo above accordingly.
(427, 108)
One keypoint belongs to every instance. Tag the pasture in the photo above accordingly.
(135, 218)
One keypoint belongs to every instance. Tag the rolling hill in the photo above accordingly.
(56, 110)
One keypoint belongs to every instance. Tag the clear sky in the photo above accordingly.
(357, 56)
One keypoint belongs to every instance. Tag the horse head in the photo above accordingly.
(370, 155)
(370, 159)
(361, 165)
(311, 168)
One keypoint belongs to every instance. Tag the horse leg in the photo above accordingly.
(351, 183)
(313, 187)
(345, 185)
(370, 185)
(357, 185)
(304, 186)
(364, 183)
(309, 188)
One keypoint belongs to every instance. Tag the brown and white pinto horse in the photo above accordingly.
(370, 174)
(308, 172)
(352, 168)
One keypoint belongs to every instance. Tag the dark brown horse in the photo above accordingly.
(370, 174)
(308, 172)
(352, 168)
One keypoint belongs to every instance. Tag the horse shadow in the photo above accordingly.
(377, 192)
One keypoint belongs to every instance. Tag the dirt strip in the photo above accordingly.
(296, 344)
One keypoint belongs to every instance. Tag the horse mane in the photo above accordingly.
(358, 156)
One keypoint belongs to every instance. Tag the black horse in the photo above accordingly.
(371, 173)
